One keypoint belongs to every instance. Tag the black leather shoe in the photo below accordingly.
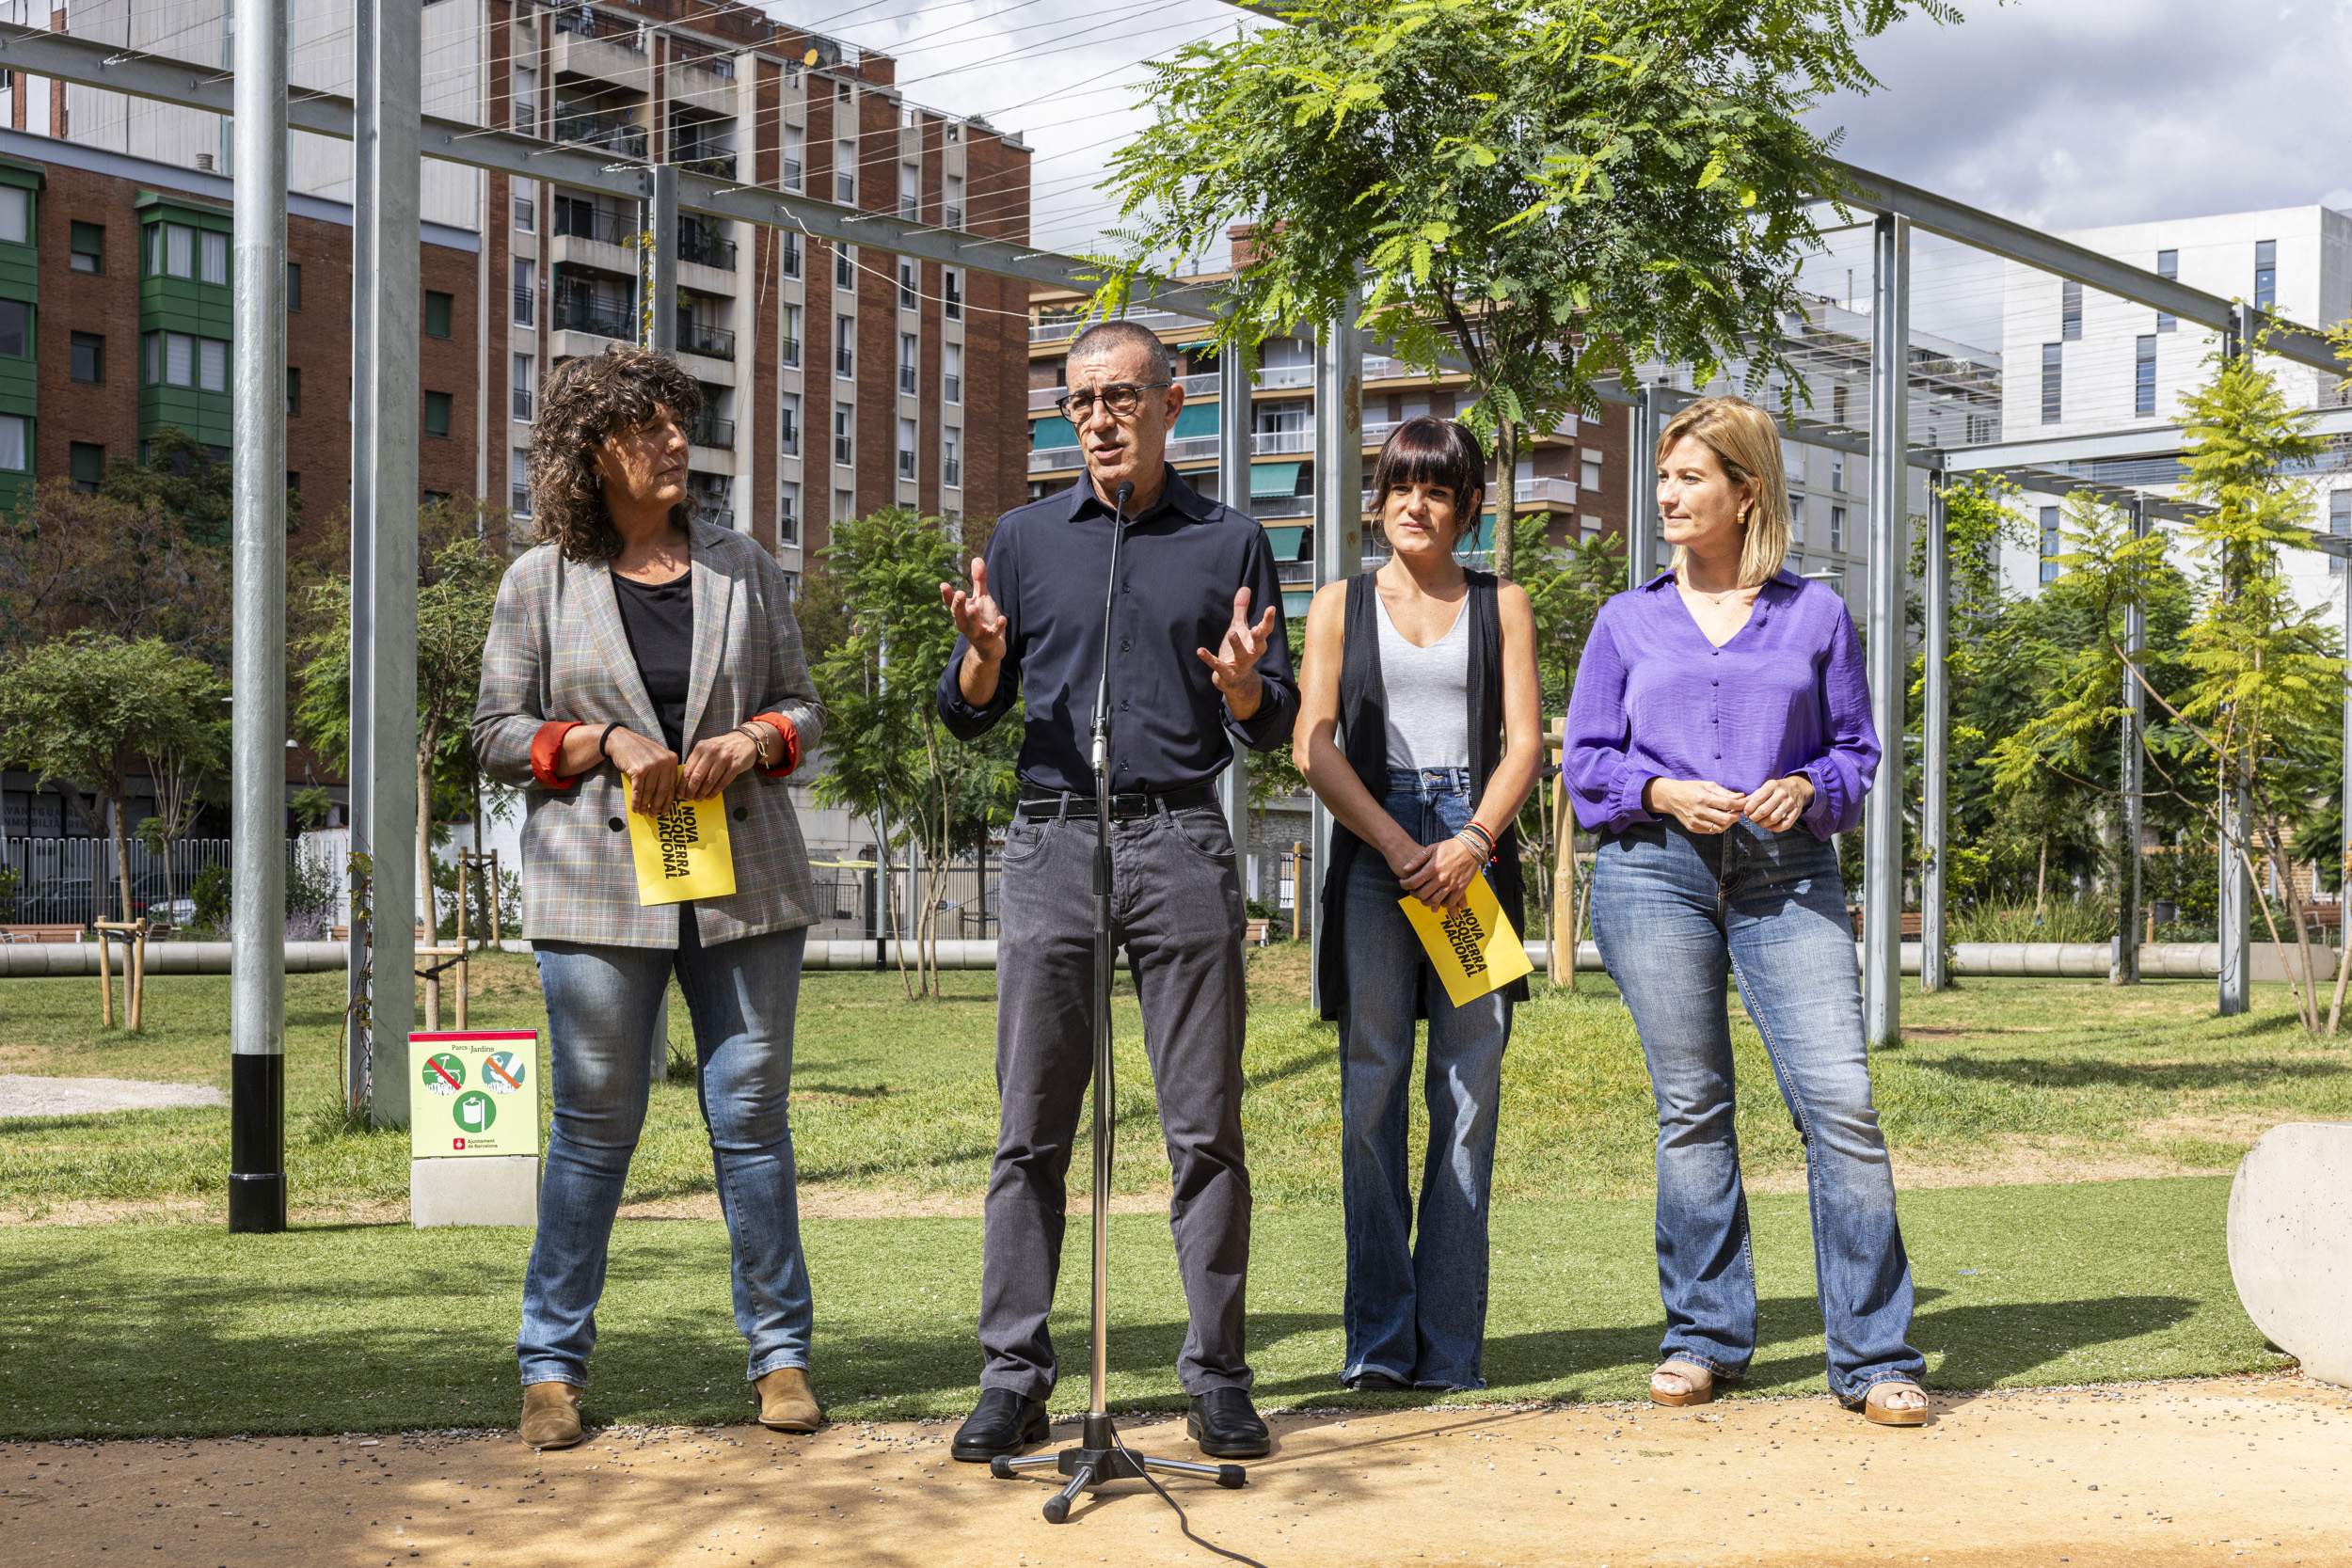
(1227, 1425)
(1002, 1422)
(1373, 1382)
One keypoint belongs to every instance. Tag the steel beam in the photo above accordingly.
(256, 965)
(1338, 517)
(1234, 385)
(2124, 969)
(1641, 490)
(384, 333)
(2233, 990)
(657, 267)
(1883, 810)
(1936, 748)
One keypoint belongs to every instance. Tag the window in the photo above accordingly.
(293, 391)
(2167, 266)
(2053, 364)
(788, 425)
(1588, 479)
(526, 214)
(2339, 522)
(16, 328)
(526, 97)
(1796, 519)
(952, 293)
(955, 201)
(844, 503)
(908, 349)
(436, 413)
(2144, 375)
(214, 253)
(171, 250)
(2049, 544)
(845, 267)
(951, 372)
(794, 138)
(951, 466)
(791, 253)
(908, 296)
(525, 385)
(1837, 404)
(845, 347)
(844, 440)
(2069, 311)
(525, 292)
(438, 307)
(518, 482)
(845, 170)
(1837, 472)
(1837, 528)
(89, 252)
(212, 361)
(906, 437)
(294, 288)
(16, 444)
(87, 464)
(788, 513)
(792, 587)
(788, 352)
(16, 215)
(911, 191)
(2265, 274)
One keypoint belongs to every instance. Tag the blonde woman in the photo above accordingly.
(1719, 740)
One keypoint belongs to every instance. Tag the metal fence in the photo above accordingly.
(73, 882)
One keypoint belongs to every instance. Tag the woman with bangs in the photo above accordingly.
(1719, 740)
(638, 657)
(1417, 727)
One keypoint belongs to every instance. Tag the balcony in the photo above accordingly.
(1271, 443)
(1286, 375)
(697, 243)
(1055, 331)
(585, 312)
(906, 380)
(717, 516)
(585, 221)
(1183, 448)
(707, 83)
(1281, 506)
(582, 42)
(712, 431)
(1041, 399)
(1544, 490)
(524, 303)
(610, 131)
(712, 343)
(716, 163)
(789, 352)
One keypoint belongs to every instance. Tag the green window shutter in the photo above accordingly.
(1275, 478)
(1052, 431)
(1196, 418)
(437, 313)
(1286, 540)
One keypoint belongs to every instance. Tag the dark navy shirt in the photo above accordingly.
(1182, 561)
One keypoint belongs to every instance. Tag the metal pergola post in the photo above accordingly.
(257, 984)
(1339, 519)
(1935, 732)
(2234, 991)
(1641, 491)
(657, 312)
(1234, 385)
(2344, 861)
(1882, 811)
(2124, 971)
(384, 328)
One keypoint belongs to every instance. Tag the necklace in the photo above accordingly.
(1701, 593)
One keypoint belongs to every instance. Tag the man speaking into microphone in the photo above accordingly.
(1197, 650)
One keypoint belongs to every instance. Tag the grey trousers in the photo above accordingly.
(1176, 904)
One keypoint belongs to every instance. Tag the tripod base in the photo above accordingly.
(1101, 1459)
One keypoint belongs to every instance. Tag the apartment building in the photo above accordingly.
(837, 378)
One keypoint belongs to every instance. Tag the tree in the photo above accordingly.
(181, 475)
(916, 783)
(188, 748)
(1552, 191)
(457, 585)
(69, 561)
(83, 710)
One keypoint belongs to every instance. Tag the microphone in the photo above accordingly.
(1121, 497)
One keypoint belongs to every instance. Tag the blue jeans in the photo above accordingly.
(601, 1004)
(1673, 911)
(1416, 1307)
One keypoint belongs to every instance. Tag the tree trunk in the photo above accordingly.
(1506, 497)
(431, 906)
(2041, 880)
(122, 859)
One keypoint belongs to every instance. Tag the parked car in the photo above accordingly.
(56, 901)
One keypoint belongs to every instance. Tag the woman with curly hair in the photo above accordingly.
(639, 657)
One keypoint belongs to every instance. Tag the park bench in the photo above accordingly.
(61, 932)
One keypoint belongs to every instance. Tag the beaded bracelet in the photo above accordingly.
(1485, 844)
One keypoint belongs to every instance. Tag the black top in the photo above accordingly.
(660, 620)
(1047, 566)
(1364, 739)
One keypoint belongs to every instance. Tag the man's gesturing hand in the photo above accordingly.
(977, 619)
(1234, 665)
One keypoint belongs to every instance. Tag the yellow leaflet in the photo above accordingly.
(1476, 951)
(684, 853)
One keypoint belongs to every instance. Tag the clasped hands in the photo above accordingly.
(1709, 808)
(1436, 874)
(657, 781)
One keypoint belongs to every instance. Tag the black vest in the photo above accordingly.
(1364, 741)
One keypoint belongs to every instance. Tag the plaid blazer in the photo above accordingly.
(557, 649)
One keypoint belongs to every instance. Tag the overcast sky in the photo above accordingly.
(2065, 114)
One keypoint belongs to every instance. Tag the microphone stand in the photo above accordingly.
(1100, 1457)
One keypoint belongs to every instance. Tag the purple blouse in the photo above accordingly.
(1787, 694)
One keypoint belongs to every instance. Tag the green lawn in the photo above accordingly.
(2038, 1078)
(123, 1330)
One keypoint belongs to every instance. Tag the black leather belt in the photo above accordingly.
(1124, 808)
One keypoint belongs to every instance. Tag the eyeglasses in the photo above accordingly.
(1121, 398)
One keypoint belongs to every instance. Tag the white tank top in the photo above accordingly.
(1428, 693)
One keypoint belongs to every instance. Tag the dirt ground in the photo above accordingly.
(2243, 1471)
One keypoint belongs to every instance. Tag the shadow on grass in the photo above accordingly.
(2081, 1073)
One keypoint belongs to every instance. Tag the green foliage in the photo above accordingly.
(180, 474)
(2071, 919)
(9, 881)
(1554, 193)
(208, 892)
(310, 807)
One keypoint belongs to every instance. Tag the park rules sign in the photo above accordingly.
(474, 1093)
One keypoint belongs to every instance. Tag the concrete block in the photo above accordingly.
(494, 1189)
(2291, 1242)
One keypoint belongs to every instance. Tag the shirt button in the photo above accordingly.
(1124, 644)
